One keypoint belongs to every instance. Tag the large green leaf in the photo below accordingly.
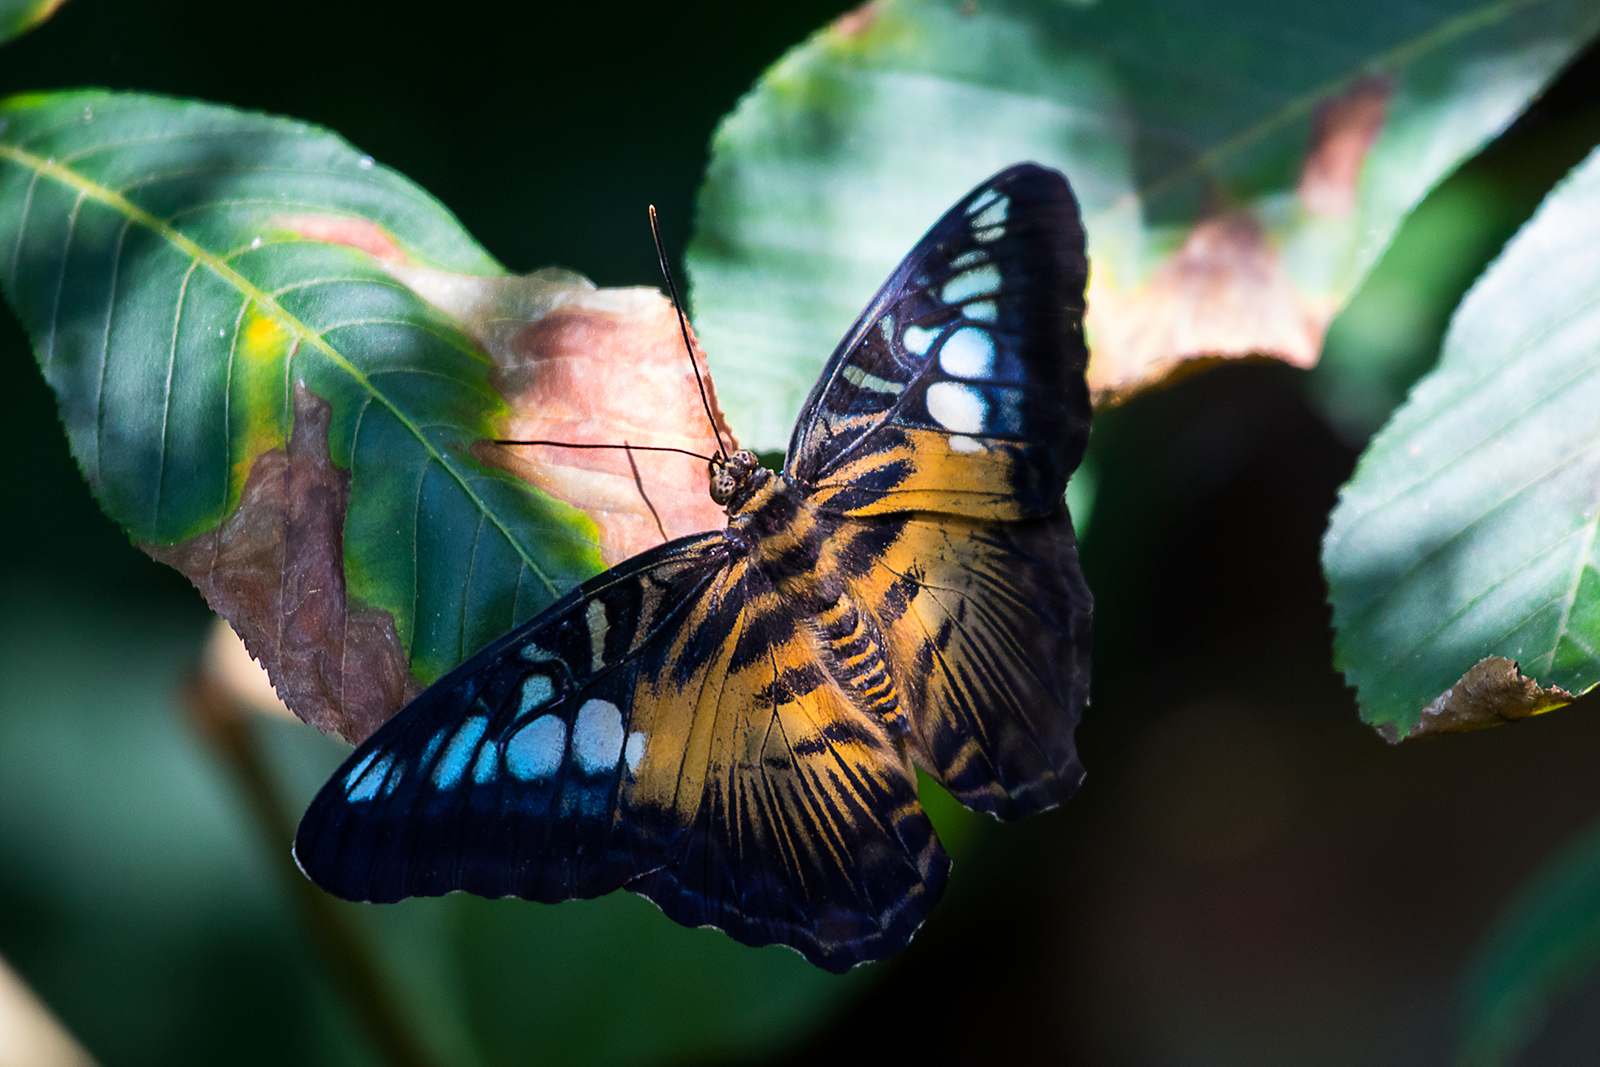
(251, 392)
(1546, 940)
(20, 16)
(1467, 538)
(1240, 165)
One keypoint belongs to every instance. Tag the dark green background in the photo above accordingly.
(1249, 875)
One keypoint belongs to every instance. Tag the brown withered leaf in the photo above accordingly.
(1494, 691)
(582, 365)
(1225, 292)
(275, 570)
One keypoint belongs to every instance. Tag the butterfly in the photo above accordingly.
(729, 724)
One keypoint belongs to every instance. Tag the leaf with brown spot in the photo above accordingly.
(1239, 170)
(1494, 691)
(293, 407)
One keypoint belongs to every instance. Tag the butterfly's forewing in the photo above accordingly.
(945, 427)
(961, 388)
(518, 774)
(667, 729)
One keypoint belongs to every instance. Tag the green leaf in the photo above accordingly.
(1240, 166)
(19, 16)
(1546, 940)
(257, 398)
(1467, 538)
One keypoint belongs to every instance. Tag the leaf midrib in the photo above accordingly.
(110, 198)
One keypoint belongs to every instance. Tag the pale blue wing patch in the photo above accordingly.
(452, 765)
(917, 340)
(535, 751)
(633, 751)
(537, 691)
(367, 777)
(597, 736)
(980, 281)
(968, 353)
(958, 407)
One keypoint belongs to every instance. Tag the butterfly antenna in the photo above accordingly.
(629, 448)
(683, 328)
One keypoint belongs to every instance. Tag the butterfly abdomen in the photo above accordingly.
(854, 652)
(790, 545)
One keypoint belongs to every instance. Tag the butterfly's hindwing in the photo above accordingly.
(961, 388)
(988, 629)
(807, 830)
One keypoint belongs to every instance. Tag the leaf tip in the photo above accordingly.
(1494, 691)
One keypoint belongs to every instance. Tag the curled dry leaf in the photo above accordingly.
(1494, 691)
(583, 365)
(1226, 293)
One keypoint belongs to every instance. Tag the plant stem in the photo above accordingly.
(224, 724)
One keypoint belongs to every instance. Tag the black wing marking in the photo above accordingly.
(988, 629)
(805, 829)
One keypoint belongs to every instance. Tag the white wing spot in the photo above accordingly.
(598, 625)
(991, 217)
(535, 750)
(963, 443)
(981, 282)
(981, 311)
(983, 202)
(597, 735)
(861, 379)
(957, 407)
(633, 751)
(917, 340)
(968, 353)
(537, 689)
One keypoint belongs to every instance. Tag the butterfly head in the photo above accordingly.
(734, 478)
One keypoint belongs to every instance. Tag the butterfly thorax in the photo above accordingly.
(787, 541)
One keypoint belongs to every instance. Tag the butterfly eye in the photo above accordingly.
(723, 483)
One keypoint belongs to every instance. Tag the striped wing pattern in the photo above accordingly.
(987, 628)
(729, 723)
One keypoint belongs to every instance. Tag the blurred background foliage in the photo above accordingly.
(1248, 877)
